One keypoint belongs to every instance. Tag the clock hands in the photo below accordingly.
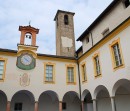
(26, 59)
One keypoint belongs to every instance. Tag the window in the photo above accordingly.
(71, 74)
(2, 68)
(97, 67)
(63, 105)
(116, 54)
(18, 107)
(127, 3)
(66, 20)
(87, 40)
(83, 69)
(105, 32)
(49, 72)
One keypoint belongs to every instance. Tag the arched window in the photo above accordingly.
(28, 39)
(66, 20)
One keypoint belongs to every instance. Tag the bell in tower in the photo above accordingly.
(28, 35)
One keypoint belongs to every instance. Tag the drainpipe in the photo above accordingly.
(79, 84)
(91, 37)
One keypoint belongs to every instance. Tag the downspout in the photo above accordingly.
(91, 37)
(79, 85)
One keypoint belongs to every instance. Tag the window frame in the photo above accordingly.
(74, 71)
(53, 72)
(82, 72)
(115, 67)
(96, 75)
(5, 63)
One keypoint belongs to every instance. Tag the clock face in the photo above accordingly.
(26, 59)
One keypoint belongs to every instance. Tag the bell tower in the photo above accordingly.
(65, 40)
(26, 55)
(28, 37)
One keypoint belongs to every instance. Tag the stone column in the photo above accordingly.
(8, 106)
(36, 106)
(60, 105)
(94, 105)
(113, 104)
(82, 103)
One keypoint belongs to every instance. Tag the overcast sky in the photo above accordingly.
(41, 13)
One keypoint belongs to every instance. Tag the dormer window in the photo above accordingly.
(127, 3)
(28, 39)
(105, 32)
(66, 20)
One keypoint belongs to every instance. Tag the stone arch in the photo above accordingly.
(121, 94)
(84, 93)
(71, 92)
(102, 96)
(51, 93)
(71, 101)
(23, 98)
(48, 100)
(98, 89)
(87, 103)
(121, 82)
(3, 101)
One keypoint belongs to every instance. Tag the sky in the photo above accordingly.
(41, 13)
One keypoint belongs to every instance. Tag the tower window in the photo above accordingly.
(28, 39)
(127, 3)
(66, 20)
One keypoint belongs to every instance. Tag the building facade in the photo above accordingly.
(96, 77)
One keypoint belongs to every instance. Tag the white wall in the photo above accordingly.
(109, 76)
(36, 76)
(115, 17)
